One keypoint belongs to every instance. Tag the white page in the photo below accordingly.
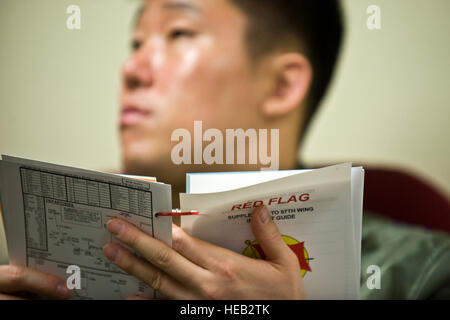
(56, 216)
(224, 181)
(328, 233)
(357, 210)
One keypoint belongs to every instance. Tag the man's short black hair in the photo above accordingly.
(314, 26)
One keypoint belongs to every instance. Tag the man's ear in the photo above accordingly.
(292, 76)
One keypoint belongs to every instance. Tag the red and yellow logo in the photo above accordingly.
(254, 250)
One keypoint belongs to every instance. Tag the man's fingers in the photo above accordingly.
(268, 236)
(143, 270)
(9, 297)
(18, 278)
(189, 248)
(157, 253)
(198, 251)
(139, 298)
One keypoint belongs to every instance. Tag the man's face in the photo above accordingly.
(190, 63)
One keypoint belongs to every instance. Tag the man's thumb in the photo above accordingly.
(268, 236)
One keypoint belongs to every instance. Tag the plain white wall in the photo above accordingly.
(59, 87)
(390, 102)
(389, 105)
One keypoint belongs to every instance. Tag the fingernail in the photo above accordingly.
(114, 226)
(110, 252)
(63, 290)
(264, 215)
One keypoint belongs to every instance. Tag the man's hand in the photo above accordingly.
(194, 269)
(17, 282)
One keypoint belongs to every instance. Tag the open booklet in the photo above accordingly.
(318, 212)
(55, 217)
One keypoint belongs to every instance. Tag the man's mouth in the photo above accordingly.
(132, 116)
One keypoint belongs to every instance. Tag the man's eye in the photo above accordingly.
(181, 33)
(135, 45)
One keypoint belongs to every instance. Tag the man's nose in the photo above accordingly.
(136, 71)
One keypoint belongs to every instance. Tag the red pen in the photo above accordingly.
(177, 213)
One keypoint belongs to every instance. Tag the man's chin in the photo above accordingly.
(137, 163)
(144, 159)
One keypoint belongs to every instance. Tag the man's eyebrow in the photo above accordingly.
(182, 6)
(171, 5)
(138, 15)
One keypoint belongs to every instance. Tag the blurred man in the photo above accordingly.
(258, 64)
(231, 64)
